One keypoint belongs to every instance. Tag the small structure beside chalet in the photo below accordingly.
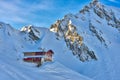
(38, 57)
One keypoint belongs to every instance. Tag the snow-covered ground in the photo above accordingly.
(15, 70)
(99, 25)
(97, 34)
(14, 42)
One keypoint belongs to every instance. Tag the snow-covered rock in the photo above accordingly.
(86, 47)
(98, 25)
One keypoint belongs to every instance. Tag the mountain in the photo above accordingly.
(76, 29)
(30, 38)
(81, 42)
(93, 34)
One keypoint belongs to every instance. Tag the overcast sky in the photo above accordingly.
(41, 13)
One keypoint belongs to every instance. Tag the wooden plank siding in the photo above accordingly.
(29, 53)
(32, 60)
(33, 53)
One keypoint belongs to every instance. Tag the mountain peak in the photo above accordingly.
(95, 3)
(33, 33)
(5, 26)
(27, 28)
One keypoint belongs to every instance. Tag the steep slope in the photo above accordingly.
(12, 45)
(98, 25)
(86, 43)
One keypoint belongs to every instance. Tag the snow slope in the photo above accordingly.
(14, 42)
(99, 27)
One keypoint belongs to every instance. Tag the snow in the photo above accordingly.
(107, 65)
(19, 71)
(13, 68)
(65, 66)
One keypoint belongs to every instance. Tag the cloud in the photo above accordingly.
(44, 5)
(19, 11)
(40, 12)
(115, 1)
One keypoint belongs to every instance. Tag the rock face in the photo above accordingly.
(91, 34)
(97, 34)
(89, 22)
(33, 33)
(103, 12)
(73, 40)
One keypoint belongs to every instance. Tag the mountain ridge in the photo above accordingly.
(82, 42)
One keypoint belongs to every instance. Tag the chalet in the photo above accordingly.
(48, 55)
(38, 57)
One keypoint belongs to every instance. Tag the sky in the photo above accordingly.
(41, 13)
